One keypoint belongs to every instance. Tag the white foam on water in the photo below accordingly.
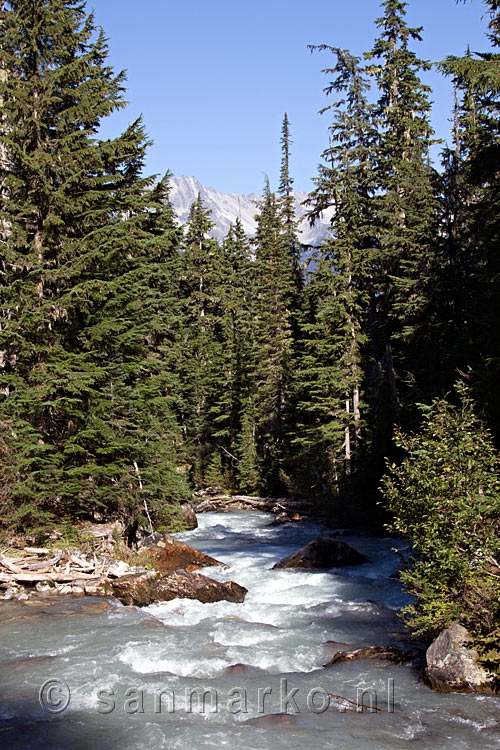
(86, 696)
(277, 662)
(190, 612)
(174, 661)
(37, 653)
(244, 634)
(478, 725)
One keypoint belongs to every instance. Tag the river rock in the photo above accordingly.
(286, 518)
(142, 589)
(452, 667)
(269, 721)
(325, 551)
(97, 587)
(149, 540)
(189, 517)
(237, 669)
(11, 593)
(387, 653)
(118, 568)
(169, 554)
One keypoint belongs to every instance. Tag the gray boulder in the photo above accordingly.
(189, 517)
(326, 551)
(452, 667)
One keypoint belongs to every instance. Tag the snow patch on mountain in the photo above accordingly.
(225, 208)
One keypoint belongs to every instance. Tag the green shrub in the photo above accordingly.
(445, 498)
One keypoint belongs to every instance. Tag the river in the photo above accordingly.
(188, 675)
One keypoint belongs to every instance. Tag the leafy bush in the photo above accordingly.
(445, 498)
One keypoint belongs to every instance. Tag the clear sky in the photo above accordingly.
(212, 78)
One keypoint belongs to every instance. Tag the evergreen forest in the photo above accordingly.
(142, 360)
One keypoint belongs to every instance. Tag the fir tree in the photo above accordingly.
(274, 292)
(75, 227)
(201, 359)
(476, 226)
(334, 334)
(287, 206)
(407, 209)
(235, 291)
(458, 249)
(445, 497)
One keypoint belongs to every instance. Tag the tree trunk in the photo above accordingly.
(348, 439)
(389, 368)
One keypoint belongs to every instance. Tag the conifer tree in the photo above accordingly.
(248, 474)
(287, 207)
(334, 334)
(478, 234)
(459, 251)
(236, 332)
(274, 292)
(407, 208)
(201, 359)
(75, 223)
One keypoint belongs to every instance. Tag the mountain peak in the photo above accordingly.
(225, 208)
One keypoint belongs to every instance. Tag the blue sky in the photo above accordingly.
(212, 78)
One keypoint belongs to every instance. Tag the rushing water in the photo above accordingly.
(136, 677)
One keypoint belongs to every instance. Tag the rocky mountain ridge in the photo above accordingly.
(225, 208)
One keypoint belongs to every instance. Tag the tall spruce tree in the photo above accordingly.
(331, 374)
(78, 433)
(235, 293)
(286, 203)
(458, 256)
(407, 211)
(478, 231)
(274, 292)
(201, 357)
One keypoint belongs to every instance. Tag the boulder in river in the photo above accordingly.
(286, 518)
(452, 667)
(169, 554)
(189, 517)
(237, 669)
(146, 588)
(269, 721)
(387, 653)
(326, 551)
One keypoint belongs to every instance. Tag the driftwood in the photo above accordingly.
(37, 550)
(271, 504)
(359, 706)
(9, 565)
(39, 577)
(61, 566)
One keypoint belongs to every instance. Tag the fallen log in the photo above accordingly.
(37, 577)
(37, 550)
(359, 706)
(260, 503)
(81, 563)
(43, 566)
(9, 565)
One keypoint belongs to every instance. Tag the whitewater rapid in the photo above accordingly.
(183, 674)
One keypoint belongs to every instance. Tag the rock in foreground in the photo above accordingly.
(142, 589)
(452, 667)
(325, 551)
